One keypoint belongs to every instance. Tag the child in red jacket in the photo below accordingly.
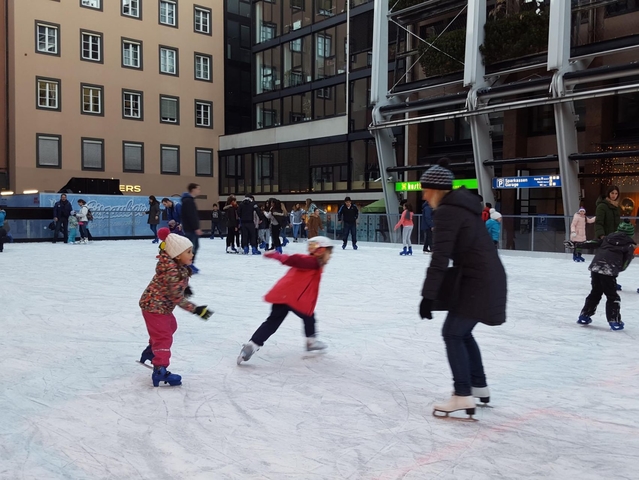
(168, 289)
(295, 292)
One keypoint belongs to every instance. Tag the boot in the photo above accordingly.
(403, 252)
(263, 245)
(278, 249)
(584, 319)
(410, 251)
(454, 404)
(245, 250)
(255, 251)
(285, 242)
(354, 246)
(581, 259)
(147, 354)
(230, 250)
(161, 374)
(344, 246)
(618, 325)
(313, 344)
(248, 349)
(575, 257)
(483, 393)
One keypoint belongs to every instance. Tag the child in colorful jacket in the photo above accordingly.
(168, 289)
(296, 292)
(73, 227)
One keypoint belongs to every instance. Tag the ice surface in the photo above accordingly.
(75, 405)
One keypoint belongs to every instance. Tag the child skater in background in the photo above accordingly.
(314, 223)
(73, 227)
(168, 289)
(493, 225)
(296, 292)
(406, 221)
(613, 257)
(578, 232)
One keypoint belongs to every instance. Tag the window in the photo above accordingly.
(324, 93)
(325, 8)
(47, 38)
(97, 4)
(296, 45)
(131, 8)
(49, 151)
(168, 13)
(264, 165)
(298, 4)
(203, 114)
(132, 157)
(203, 67)
(92, 99)
(132, 104)
(131, 54)
(234, 166)
(91, 46)
(202, 20)
(170, 159)
(48, 93)
(267, 79)
(168, 61)
(323, 46)
(268, 31)
(169, 109)
(92, 154)
(203, 162)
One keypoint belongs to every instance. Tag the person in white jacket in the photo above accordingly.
(578, 232)
(82, 215)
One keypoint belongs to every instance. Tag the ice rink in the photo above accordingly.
(75, 405)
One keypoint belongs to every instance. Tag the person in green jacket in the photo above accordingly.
(608, 213)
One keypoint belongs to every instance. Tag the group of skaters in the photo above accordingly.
(72, 224)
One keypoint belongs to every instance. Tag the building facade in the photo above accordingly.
(112, 89)
(309, 105)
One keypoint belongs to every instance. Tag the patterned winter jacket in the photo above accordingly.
(166, 290)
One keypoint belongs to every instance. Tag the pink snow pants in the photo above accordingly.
(161, 329)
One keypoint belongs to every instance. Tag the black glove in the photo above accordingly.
(425, 308)
(203, 312)
(188, 293)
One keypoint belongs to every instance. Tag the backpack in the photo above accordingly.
(89, 215)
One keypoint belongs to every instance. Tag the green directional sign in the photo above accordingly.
(469, 183)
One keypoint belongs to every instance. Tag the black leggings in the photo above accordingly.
(275, 319)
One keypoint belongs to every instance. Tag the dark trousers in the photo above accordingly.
(231, 237)
(249, 235)
(216, 226)
(62, 225)
(352, 229)
(154, 229)
(463, 353)
(195, 240)
(603, 285)
(84, 230)
(275, 235)
(275, 319)
(428, 239)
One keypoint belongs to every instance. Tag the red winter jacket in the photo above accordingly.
(485, 214)
(300, 286)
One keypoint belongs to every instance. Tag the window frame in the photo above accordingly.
(323, 39)
(99, 8)
(92, 140)
(210, 105)
(210, 59)
(208, 150)
(91, 33)
(209, 12)
(164, 146)
(48, 135)
(170, 97)
(175, 13)
(176, 51)
(101, 89)
(131, 41)
(59, 94)
(127, 15)
(56, 26)
(133, 143)
(130, 91)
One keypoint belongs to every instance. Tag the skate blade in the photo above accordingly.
(448, 416)
(150, 367)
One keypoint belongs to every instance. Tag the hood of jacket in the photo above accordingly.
(463, 198)
(619, 239)
(603, 200)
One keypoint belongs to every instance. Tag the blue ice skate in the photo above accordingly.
(354, 247)
(245, 250)
(194, 269)
(616, 325)
(161, 374)
(404, 252)
(255, 251)
(278, 249)
(584, 320)
(410, 251)
(618, 288)
(285, 242)
(147, 354)
(263, 245)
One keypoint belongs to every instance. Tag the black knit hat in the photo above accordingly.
(438, 177)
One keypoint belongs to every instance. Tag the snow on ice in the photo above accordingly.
(75, 405)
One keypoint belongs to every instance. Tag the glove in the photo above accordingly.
(188, 293)
(203, 312)
(573, 234)
(425, 308)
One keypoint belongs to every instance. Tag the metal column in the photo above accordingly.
(474, 71)
(384, 139)
(559, 60)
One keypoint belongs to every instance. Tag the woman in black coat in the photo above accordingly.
(473, 291)
(154, 216)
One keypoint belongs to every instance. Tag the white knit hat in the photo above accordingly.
(495, 215)
(174, 244)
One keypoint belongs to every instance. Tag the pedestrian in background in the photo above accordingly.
(154, 217)
(191, 220)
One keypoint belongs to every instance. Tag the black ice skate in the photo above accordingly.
(483, 394)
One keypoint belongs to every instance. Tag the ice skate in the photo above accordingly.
(354, 247)
(584, 320)
(278, 249)
(455, 404)
(575, 257)
(403, 252)
(248, 349)
(255, 251)
(344, 246)
(313, 344)
(616, 325)
(161, 374)
(580, 257)
(410, 251)
(245, 250)
(483, 393)
(147, 354)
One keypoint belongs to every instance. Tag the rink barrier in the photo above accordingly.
(535, 233)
